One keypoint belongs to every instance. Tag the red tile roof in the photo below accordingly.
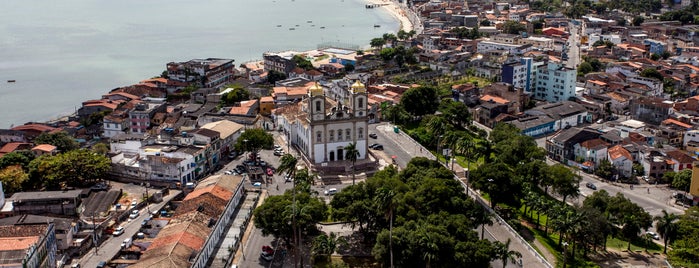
(671, 121)
(44, 148)
(618, 151)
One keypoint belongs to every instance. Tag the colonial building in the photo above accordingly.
(321, 128)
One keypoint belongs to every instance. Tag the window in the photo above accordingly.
(360, 102)
(360, 133)
(331, 135)
(339, 134)
(319, 136)
(348, 134)
(317, 106)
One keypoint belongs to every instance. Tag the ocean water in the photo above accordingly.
(64, 52)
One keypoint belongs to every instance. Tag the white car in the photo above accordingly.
(653, 235)
(331, 191)
(118, 231)
(134, 214)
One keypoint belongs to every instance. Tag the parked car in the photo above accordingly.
(331, 191)
(287, 178)
(263, 163)
(600, 121)
(591, 186)
(101, 264)
(134, 203)
(378, 147)
(134, 214)
(277, 147)
(373, 135)
(270, 172)
(653, 235)
(266, 256)
(118, 231)
(278, 153)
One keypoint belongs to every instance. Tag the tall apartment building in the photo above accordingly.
(554, 83)
(140, 117)
(521, 74)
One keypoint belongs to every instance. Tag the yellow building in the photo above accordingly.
(266, 105)
(694, 186)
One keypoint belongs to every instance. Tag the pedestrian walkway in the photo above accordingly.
(238, 257)
(223, 253)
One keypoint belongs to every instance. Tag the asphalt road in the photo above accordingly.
(573, 47)
(110, 248)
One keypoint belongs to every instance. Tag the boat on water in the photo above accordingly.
(279, 25)
(297, 25)
(291, 29)
(322, 27)
(377, 26)
(310, 21)
(11, 81)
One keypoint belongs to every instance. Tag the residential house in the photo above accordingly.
(197, 227)
(114, 125)
(14, 146)
(490, 107)
(266, 105)
(279, 62)
(621, 160)
(682, 160)
(96, 106)
(655, 46)
(517, 98)
(229, 131)
(200, 94)
(44, 149)
(245, 108)
(673, 130)
(285, 94)
(655, 164)
(594, 150)
(33, 130)
(32, 245)
(534, 125)
(211, 141)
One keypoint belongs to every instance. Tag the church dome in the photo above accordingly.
(315, 90)
(358, 87)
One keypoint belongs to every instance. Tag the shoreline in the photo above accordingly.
(395, 10)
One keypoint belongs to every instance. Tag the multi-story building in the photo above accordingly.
(554, 83)
(140, 117)
(28, 245)
(655, 46)
(65, 203)
(114, 125)
(521, 74)
(211, 72)
(513, 49)
(280, 62)
(230, 132)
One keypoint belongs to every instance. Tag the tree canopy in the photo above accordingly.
(420, 101)
(513, 27)
(254, 139)
(302, 62)
(238, 94)
(76, 168)
(61, 140)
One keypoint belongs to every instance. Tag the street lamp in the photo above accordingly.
(439, 153)
(565, 246)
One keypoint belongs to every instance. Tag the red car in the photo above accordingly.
(270, 172)
(267, 249)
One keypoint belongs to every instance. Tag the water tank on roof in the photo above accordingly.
(184, 133)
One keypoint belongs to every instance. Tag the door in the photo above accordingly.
(340, 154)
(332, 155)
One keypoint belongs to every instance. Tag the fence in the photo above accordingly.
(481, 201)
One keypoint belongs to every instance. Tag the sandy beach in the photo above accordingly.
(395, 10)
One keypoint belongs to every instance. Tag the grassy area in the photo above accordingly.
(345, 261)
(637, 244)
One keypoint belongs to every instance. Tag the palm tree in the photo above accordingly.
(482, 218)
(386, 200)
(666, 226)
(325, 245)
(503, 252)
(465, 146)
(288, 164)
(351, 154)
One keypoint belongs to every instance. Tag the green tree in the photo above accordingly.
(685, 247)
(651, 73)
(485, 23)
(276, 213)
(513, 27)
(238, 94)
(377, 43)
(100, 148)
(637, 20)
(565, 182)
(61, 140)
(274, 76)
(12, 178)
(253, 140)
(682, 180)
(584, 68)
(420, 101)
(325, 245)
(499, 182)
(503, 252)
(667, 227)
(351, 154)
(456, 112)
(638, 169)
(21, 158)
(605, 169)
(654, 56)
(76, 168)
(349, 67)
(302, 62)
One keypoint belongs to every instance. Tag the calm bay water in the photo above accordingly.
(64, 52)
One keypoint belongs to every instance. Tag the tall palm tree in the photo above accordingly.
(503, 252)
(386, 200)
(666, 226)
(287, 164)
(325, 245)
(351, 154)
(483, 217)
